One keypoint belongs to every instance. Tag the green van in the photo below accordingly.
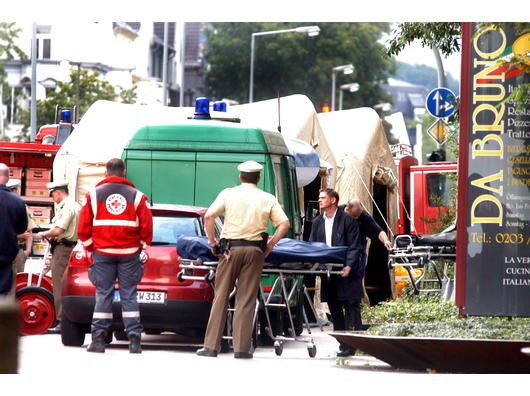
(192, 161)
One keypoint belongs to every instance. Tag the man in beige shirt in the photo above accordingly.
(63, 237)
(248, 211)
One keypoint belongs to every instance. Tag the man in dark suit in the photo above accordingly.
(343, 293)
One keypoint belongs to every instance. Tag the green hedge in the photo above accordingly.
(428, 316)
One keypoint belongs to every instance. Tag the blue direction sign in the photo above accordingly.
(440, 102)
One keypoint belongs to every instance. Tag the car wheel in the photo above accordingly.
(72, 334)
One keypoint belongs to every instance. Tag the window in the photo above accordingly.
(439, 187)
(44, 48)
(166, 229)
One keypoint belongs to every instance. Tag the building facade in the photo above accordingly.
(124, 53)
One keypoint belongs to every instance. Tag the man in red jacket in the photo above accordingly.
(116, 224)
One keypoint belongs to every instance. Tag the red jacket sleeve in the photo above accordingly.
(145, 219)
(84, 228)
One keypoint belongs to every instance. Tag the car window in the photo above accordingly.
(166, 229)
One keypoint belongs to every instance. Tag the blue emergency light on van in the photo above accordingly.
(219, 106)
(66, 115)
(202, 109)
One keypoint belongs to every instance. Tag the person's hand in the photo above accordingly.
(213, 245)
(345, 271)
(268, 249)
(39, 236)
(388, 245)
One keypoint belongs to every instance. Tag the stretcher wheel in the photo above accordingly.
(312, 350)
(180, 277)
(278, 348)
(37, 311)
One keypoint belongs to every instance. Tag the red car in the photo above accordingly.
(166, 304)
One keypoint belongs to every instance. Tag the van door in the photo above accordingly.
(286, 192)
(217, 171)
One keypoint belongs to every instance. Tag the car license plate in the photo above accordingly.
(145, 297)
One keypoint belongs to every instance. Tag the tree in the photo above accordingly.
(445, 36)
(294, 63)
(91, 89)
(8, 51)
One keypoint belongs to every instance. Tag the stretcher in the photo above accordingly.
(288, 261)
(425, 252)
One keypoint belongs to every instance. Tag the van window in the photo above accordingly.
(284, 177)
(280, 183)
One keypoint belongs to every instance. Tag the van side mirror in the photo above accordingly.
(312, 210)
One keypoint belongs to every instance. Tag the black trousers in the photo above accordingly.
(6, 277)
(345, 315)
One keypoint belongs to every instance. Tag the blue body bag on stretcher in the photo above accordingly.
(286, 251)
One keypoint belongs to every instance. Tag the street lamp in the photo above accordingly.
(346, 69)
(352, 87)
(311, 31)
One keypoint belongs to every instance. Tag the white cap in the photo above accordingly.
(52, 186)
(13, 184)
(249, 167)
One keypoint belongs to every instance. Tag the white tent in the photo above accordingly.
(101, 134)
(359, 143)
(297, 118)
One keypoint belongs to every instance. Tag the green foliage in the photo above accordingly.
(294, 63)
(8, 49)
(413, 308)
(128, 96)
(443, 35)
(428, 316)
(91, 89)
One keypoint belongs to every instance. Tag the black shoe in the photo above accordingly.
(346, 352)
(243, 355)
(206, 352)
(135, 346)
(97, 345)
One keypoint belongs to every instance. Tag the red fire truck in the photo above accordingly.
(32, 164)
(424, 192)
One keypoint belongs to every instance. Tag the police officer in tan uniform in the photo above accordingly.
(62, 236)
(244, 246)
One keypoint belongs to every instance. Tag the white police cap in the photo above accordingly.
(249, 167)
(13, 184)
(58, 185)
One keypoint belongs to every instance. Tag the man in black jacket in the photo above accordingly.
(14, 222)
(343, 293)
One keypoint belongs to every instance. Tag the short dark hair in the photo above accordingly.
(331, 193)
(250, 177)
(115, 167)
